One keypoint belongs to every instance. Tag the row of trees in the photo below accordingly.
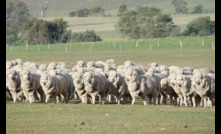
(181, 7)
(145, 22)
(95, 11)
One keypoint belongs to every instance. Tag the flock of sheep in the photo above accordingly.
(108, 82)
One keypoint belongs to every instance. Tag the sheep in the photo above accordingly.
(111, 63)
(78, 82)
(184, 83)
(43, 67)
(168, 90)
(176, 88)
(117, 85)
(80, 64)
(14, 85)
(30, 83)
(140, 85)
(204, 86)
(55, 86)
(99, 64)
(91, 65)
(9, 65)
(95, 84)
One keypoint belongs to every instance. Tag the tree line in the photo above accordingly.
(142, 22)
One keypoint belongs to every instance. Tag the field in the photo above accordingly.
(142, 52)
(75, 117)
(56, 8)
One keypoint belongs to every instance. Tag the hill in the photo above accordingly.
(58, 8)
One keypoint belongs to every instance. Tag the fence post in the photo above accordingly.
(114, 44)
(150, 47)
(202, 42)
(181, 45)
(48, 45)
(26, 46)
(158, 43)
(136, 43)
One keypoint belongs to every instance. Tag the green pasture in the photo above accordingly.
(196, 52)
(78, 118)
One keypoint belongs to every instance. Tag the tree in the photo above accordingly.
(44, 7)
(121, 9)
(180, 6)
(17, 14)
(197, 9)
(43, 32)
(201, 26)
(72, 14)
(82, 12)
(17, 11)
(97, 11)
(87, 36)
(145, 22)
(11, 31)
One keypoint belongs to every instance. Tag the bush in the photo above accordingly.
(87, 36)
(201, 26)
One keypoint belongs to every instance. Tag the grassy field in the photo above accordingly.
(75, 117)
(58, 8)
(167, 53)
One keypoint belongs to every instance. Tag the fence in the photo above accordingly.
(183, 43)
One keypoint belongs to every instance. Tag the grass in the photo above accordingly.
(75, 117)
(168, 52)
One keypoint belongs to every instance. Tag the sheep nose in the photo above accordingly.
(78, 81)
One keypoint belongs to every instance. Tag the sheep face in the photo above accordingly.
(81, 63)
(113, 77)
(46, 80)
(88, 78)
(12, 75)
(78, 80)
(26, 75)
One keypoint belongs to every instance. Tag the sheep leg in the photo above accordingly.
(118, 100)
(181, 100)
(26, 95)
(209, 102)
(185, 101)
(194, 101)
(133, 100)
(31, 96)
(175, 101)
(150, 100)
(205, 102)
(47, 98)
(144, 101)
(55, 99)
(14, 97)
(201, 102)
